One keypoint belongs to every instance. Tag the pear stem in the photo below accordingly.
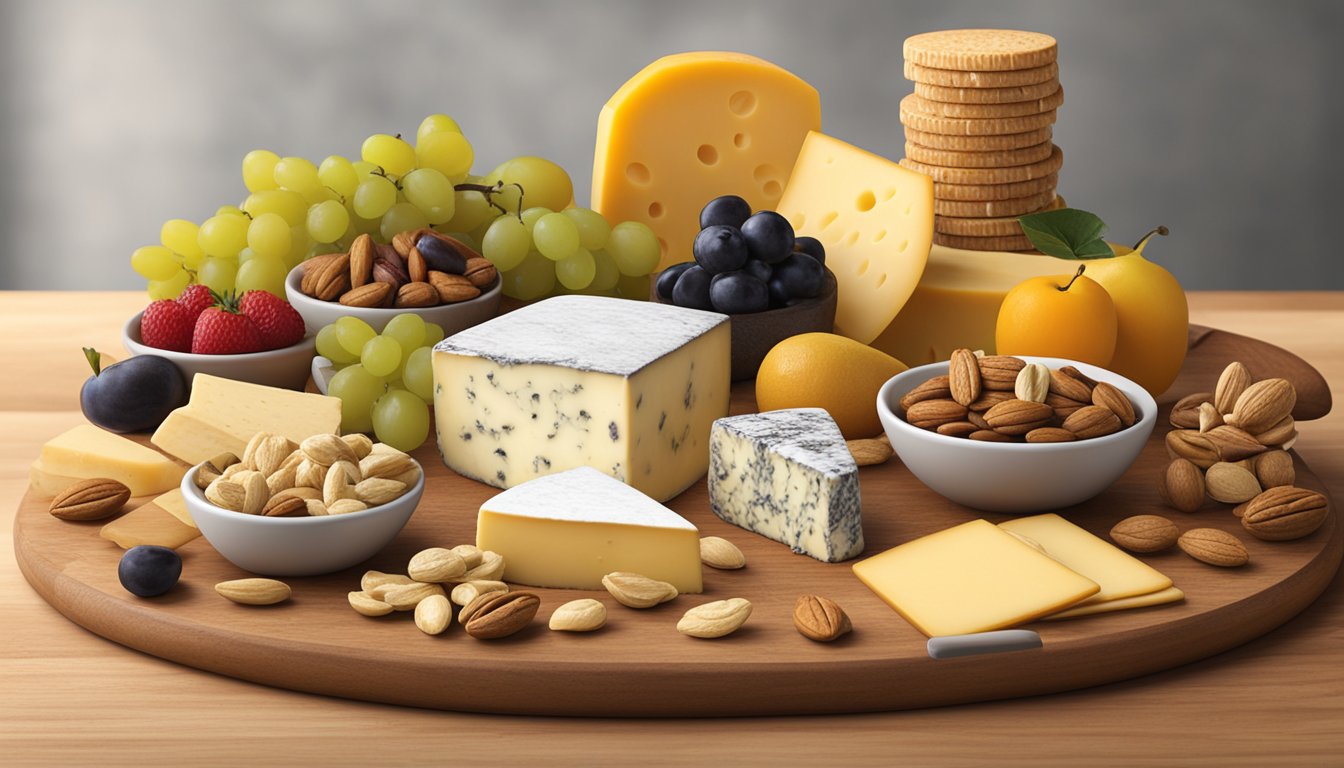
(1076, 275)
(1163, 231)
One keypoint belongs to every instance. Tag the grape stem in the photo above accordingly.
(95, 359)
(494, 189)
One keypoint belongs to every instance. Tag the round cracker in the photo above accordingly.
(953, 78)
(1016, 206)
(965, 243)
(982, 192)
(987, 111)
(1001, 159)
(980, 50)
(913, 118)
(1047, 167)
(1003, 226)
(997, 143)
(987, 95)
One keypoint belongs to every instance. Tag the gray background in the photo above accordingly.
(1219, 119)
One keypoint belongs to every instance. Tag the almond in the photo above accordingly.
(359, 443)
(470, 554)
(346, 506)
(1231, 383)
(316, 508)
(1209, 417)
(1145, 533)
(367, 605)
(437, 565)
(92, 499)
(391, 272)
(226, 494)
(377, 491)
(1185, 413)
(1064, 407)
(255, 493)
(929, 414)
(958, 428)
(999, 372)
(963, 373)
(1182, 485)
(1279, 434)
(716, 619)
(1064, 385)
(1214, 546)
(499, 614)
(988, 400)
(1189, 444)
(1263, 405)
(1285, 513)
(721, 553)
(481, 272)
(325, 450)
(433, 614)
(1107, 396)
(412, 295)
(403, 242)
(332, 278)
(312, 269)
(207, 472)
(936, 388)
(282, 479)
(367, 295)
(361, 265)
(1274, 468)
(1230, 483)
(452, 288)
(385, 465)
(1033, 383)
(1018, 417)
(1050, 435)
(1233, 444)
(254, 591)
(415, 266)
(404, 597)
(467, 591)
(636, 591)
(584, 615)
(283, 506)
(820, 618)
(309, 474)
(990, 436)
(491, 568)
(1073, 371)
(371, 580)
(336, 485)
(869, 452)
(977, 419)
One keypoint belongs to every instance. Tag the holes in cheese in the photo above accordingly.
(694, 126)
(876, 221)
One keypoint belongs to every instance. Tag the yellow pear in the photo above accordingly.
(825, 370)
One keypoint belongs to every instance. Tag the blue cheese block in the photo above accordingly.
(629, 388)
(788, 476)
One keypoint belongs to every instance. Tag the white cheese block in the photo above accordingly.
(569, 529)
(788, 476)
(628, 387)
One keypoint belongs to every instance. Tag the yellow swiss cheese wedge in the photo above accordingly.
(875, 219)
(86, 451)
(694, 126)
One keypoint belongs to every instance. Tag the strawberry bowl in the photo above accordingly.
(286, 367)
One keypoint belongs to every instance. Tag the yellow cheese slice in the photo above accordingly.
(47, 484)
(1160, 597)
(1118, 573)
(148, 524)
(694, 126)
(173, 503)
(875, 219)
(974, 577)
(86, 451)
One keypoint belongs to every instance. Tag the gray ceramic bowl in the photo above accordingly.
(1015, 477)
(299, 546)
(287, 367)
(452, 317)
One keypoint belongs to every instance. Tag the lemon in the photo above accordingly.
(823, 370)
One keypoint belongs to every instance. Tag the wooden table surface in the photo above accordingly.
(68, 697)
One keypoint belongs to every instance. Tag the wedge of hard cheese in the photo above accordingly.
(86, 451)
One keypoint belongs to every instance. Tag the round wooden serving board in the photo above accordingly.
(639, 665)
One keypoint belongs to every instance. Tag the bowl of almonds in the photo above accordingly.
(1015, 434)
(320, 506)
(422, 271)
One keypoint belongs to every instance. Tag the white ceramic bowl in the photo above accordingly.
(452, 317)
(299, 546)
(287, 367)
(1015, 477)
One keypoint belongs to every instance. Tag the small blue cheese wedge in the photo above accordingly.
(627, 387)
(569, 529)
(788, 476)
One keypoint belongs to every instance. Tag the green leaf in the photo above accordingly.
(1067, 233)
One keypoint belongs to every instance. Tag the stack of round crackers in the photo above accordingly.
(979, 124)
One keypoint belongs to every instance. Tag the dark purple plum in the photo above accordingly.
(134, 395)
(720, 248)
(728, 209)
(692, 289)
(149, 571)
(667, 279)
(440, 256)
(769, 237)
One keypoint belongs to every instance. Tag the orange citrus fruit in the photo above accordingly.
(824, 370)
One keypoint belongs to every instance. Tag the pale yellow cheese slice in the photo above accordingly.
(86, 451)
(174, 504)
(1160, 597)
(148, 524)
(875, 219)
(1118, 573)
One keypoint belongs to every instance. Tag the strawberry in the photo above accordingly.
(224, 330)
(167, 325)
(196, 298)
(281, 325)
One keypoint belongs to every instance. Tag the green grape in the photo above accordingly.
(636, 288)
(401, 419)
(593, 228)
(353, 334)
(223, 236)
(262, 273)
(374, 196)
(419, 374)
(402, 217)
(327, 221)
(297, 174)
(435, 124)
(390, 153)
(268, 235)
(230, 210)
(320, 195)
(556, 236)
(433, 334)
(179, 236)
(246, 255)
(447, 152)
(330, 348)
(577, 270)
(531, 279)
(470, 210)
(407, 329)
(635, 248)
(289, 204)
(363, 226)
(607, 273)
(358, 390)
(531, 215)
(381, 356)
(218, 274)
(322, 249)
(259, 170)
(338, 174)
(363, 170)
(194, 261)
(170, 288)
(506, 243)
(300, 243)
(546, 183)
(155, 262)
(431, 192)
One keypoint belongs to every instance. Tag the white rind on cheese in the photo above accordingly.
(585, 495)
(788, 475)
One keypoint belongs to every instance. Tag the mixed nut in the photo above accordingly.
(420, 268)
